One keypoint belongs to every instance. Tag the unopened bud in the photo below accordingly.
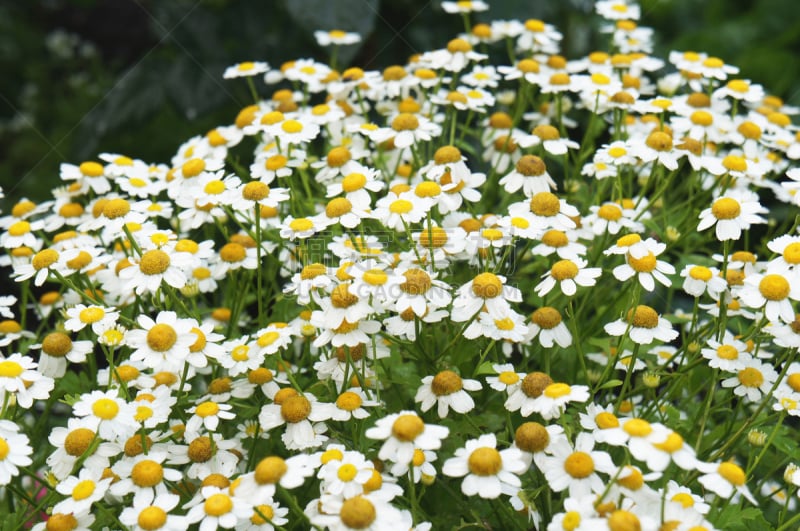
(756, 438)
(651, 379)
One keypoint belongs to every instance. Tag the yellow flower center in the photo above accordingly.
(485, 461)
(447, 155)
(353, 182)
(508, 377)
(262, 514)
(734, 163)
(726, 208)
(638, 428)
(546, 317)
(348, 401)
(703, 118)
(774, 287)
(563, 270)
(91, 169)
(61, 522)
(555, 238)
(147, 473)
(83, 490)
(671, 444)
(333, 454)
(44, 259)
(545, 204)
(80, 261)
(154, 262)
(445, 383)
(624, 521)
(659, 141)
(341, 297)
(338, 156)
(400, 206)
(233, 252)
(19, 228)
(207, 409)
(634, 480)
(152, 518)
(218, 504)
(267, 338)
(433, 237)
(684, 499)
(10, 369)
(606, 420)
(161, 337)
(557, 390)
(193, 167)
(405, 122)
(645, 264)
(240, 353)
(105, 408)
(487, 286)
(579, 465)
(428, 189)
(458, 45)
(270, 470)
(643, 317)
(700, 273)
(534, 384)
(375, 277)
(609, 212)
(295, 409)
(255, 191)
(531, 437)
(357, 513)
(347, 472)
(571, 521)
(337, 207)
(492, 234)
(751, 377)
(10, 326)
(732, 473)
(407, 427)
(546, 132)
(77, 441)
(292, 126)
(727, 352)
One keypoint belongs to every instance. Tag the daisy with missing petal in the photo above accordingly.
(336, 37)
(732, 213)
(523, 396)
(568, 274)
(643, 325)
(576, 469)
(447, 390)
(157, 514)
(771, 292)
(753, 381)
(403, 433)
(488, 472)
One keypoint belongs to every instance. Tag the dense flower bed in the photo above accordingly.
(492, 288)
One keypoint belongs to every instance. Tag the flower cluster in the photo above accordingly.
(545, 291)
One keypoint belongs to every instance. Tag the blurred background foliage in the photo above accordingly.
(139, 77)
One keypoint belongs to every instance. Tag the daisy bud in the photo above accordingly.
(756, 438)
(651, 379)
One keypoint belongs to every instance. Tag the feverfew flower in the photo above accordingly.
(488, 472)
(643, 325)
(14, 451)
(403, 433)
(732, 213)
(447, 390)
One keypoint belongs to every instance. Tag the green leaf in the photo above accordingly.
(485, 368)
(611, 383)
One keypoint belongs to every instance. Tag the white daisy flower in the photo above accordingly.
(245, 69)
(772, 292)
(645, 325)
(700, 279)
(216, 508)
(81, 491)
(725, 479)
(156, 514)
(404, 432)
(645, 266)
(568, 274)
(753, 381)
(576, 469)
(488, 472)
(548, 324)
(447, 390)
(98, 317)
(15, 450)
(163, 343)
(732, 213)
